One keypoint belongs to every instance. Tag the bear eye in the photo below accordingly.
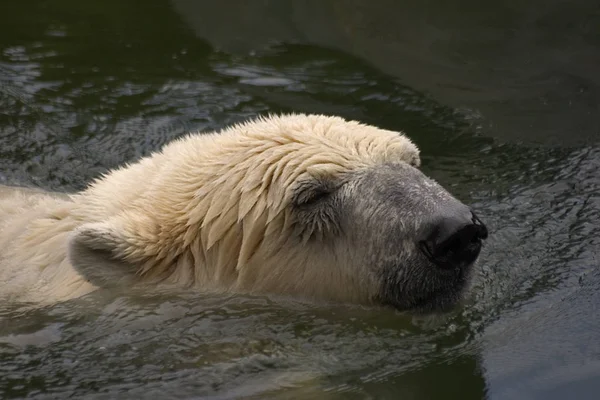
(316, 196)
(309, 193)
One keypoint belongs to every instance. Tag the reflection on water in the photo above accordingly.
(86, 87)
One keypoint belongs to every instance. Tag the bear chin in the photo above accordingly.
(444, 294)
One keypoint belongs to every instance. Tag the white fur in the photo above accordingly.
(209, 210)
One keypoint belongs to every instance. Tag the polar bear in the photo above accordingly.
(309, 206)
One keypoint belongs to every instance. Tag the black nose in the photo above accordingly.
(454, 241)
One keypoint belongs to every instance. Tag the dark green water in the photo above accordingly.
(502, 100)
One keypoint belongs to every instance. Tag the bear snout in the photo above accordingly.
(453, 241)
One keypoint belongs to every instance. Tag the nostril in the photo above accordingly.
(482, 229)
(425, 247)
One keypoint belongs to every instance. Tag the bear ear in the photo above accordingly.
(96, 252)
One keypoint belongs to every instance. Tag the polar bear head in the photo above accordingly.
(303, 205)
